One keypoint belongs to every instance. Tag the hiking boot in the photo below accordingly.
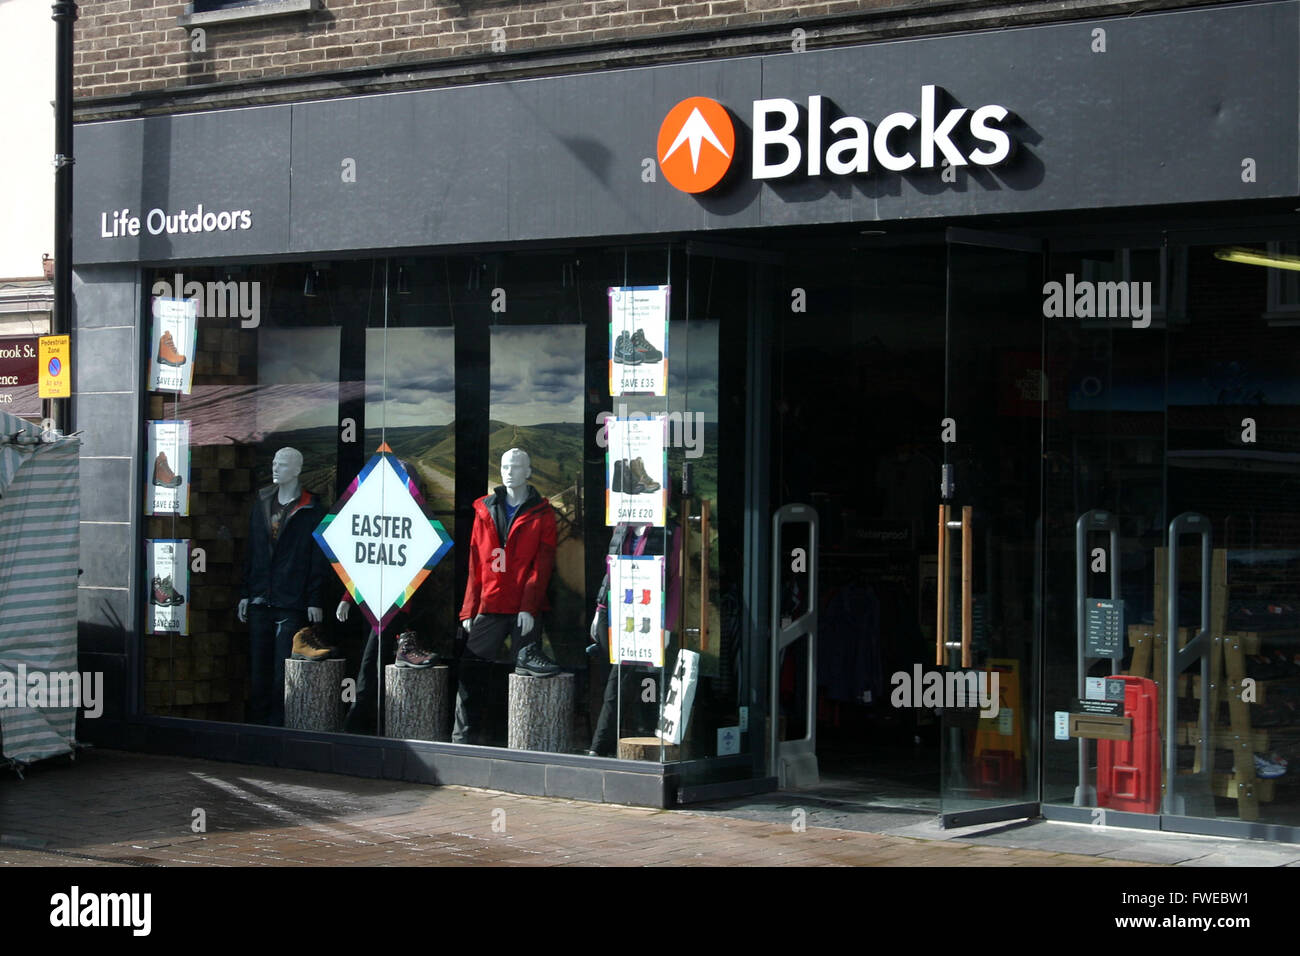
(410, 654)
(623, 481)
(646, 351)
(624, 353)
(531, 662)
(167, 354)
(309, 645)
(157, 596)
(163, 476)
(636, 471)
(163, 594)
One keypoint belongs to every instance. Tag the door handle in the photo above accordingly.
(704, 575)
(963, 527)
(701, 521)
(684, 565)
(941, 588)
(967, 582)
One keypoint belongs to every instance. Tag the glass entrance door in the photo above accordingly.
(989, 530)
(857, 397)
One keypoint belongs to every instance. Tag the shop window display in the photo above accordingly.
(1183, 438)
(488, 379)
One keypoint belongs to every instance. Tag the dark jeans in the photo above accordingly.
(270, 642)
(478, 696)
(364, 714)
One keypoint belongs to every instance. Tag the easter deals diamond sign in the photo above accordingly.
(378, 539)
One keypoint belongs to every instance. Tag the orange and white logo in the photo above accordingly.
(697, 143)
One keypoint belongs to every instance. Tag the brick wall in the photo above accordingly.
(128, 47)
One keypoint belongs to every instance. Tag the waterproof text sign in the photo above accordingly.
(378, 539)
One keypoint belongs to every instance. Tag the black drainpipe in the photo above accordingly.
(65, 14)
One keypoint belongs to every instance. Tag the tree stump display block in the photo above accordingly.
(540, 713)
(313, 694)
(646, 748)
(415, 702)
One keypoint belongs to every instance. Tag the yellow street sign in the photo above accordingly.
(54, 366)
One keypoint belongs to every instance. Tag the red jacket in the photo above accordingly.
(506, 579)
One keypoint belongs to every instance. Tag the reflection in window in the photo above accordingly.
(298, 402)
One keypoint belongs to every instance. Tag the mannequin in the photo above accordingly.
(638, 539)
(512, 554)
(284, 576)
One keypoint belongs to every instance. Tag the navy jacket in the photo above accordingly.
(291, 572)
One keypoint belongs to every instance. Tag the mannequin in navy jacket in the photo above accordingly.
(284, 577)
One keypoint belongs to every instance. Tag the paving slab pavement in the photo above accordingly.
(114, 808)
(111, 808)
(1118, 845)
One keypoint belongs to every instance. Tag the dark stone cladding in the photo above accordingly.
(594, 779)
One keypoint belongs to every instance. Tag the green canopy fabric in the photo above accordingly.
(40, 509)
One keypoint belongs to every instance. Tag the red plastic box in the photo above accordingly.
(1128, 771)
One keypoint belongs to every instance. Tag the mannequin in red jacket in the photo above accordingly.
(511, 555)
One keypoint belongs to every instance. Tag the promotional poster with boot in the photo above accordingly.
(638, 340)
(171, 348)
(167, 482)
(636, 466)
(168, 567)
(636, 609)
